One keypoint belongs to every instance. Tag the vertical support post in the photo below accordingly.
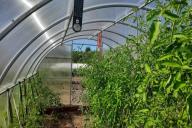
(16, 110)
(99, 43)
(71, 73)
(137, 24)
(9, 108)
(35, 81)
(25, 95)
(21, 101)
(31, 82)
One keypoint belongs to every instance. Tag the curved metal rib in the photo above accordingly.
(40, 58)
(12, 61)
(22, 18)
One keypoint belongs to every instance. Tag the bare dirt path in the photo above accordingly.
(69, 115)
(64, 117)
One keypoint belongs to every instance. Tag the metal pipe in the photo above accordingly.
(22, 18)
(17, 55)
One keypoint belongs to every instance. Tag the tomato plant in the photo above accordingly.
(147, 82)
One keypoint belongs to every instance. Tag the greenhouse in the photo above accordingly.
(95, 63)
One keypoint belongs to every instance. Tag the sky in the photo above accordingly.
(77, 45)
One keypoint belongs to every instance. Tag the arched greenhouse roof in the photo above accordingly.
(30, 29)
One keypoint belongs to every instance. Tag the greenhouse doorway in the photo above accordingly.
(56, 70)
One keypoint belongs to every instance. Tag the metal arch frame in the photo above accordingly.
(123, 36)
(91, 34)
(42, 57)
(12, 61)
(130, 13)
(22, 18)
(80, 44)
(67, 40)
(97, 22)
(71, 39)
(39, 59)
(98, 30)
(29, 57)
(34, 52)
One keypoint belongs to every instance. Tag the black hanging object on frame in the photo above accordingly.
(78, 15)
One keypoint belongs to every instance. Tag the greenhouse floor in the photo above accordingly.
(73, 95)
(70, 115)
(67, 117)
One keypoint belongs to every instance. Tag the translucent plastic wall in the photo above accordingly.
(3, 111)
(56, 72)
(10, 107)
(30, 29)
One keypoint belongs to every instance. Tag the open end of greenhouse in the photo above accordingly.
(95, 63)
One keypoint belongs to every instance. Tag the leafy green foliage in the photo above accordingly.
(170, 15)
(35, 99)
(147, 82)
(154, 31)
(82, 56)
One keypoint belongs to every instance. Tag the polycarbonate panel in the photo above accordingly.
(81, 44)
(16, 40)
(56, 67)
(88, 3)
(84, 43)
(10, 77)
(151, 5)
(108, 42)
(28, 29)
(105, 48)
(30, 61)
(75, 38)
(113, 13)
(54, 11)
(112, 36)
(33, 57)
(20, 36)
(139, 16)
(123, 30)
(11, 9)
(37, 60)
(63, 51)
(86, 33)
(86, 26)
(16, 103)
(115, 37)
(3, 111)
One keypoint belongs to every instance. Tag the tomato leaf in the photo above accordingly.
(186, 67)
(147, 68)
(154, 31)
(172, 64)
(153, 14)
(178, 85)
(170, 15)
(189, 102)
(180, 36)
(164, 57)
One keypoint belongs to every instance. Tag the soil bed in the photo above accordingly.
(64, 117)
